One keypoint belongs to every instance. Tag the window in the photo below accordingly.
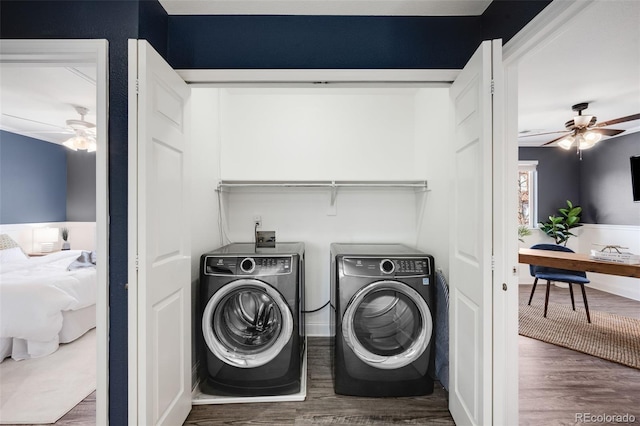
(527, 193)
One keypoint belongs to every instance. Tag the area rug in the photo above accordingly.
(41, 390)
(609, 336)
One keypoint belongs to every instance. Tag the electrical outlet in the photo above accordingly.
(257, 221)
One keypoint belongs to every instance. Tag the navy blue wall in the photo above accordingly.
(187, 43)
(605, 182)
(33, 180)
(116, 21)
(504, 18)
(339, 42)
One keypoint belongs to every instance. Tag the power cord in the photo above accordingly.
(224, 238)
(317, 309)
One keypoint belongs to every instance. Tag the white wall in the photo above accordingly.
(626, 236)
(318, 133)
(82, 235)
(433, 155)
(204, 173)
(337, 134)
(587, 236)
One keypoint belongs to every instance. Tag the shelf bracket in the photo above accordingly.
(334, 193)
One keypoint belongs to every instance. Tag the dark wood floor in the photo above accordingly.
(556, 384)
(323, 406)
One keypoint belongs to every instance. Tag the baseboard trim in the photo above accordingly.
(318, 329)
(616, 289)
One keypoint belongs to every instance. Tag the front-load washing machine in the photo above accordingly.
(382, 324)
(251, 305)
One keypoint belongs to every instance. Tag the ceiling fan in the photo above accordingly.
(84, 132)
(584, 131)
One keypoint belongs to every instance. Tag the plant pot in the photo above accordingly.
(66, 245)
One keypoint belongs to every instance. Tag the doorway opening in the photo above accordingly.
(86, 60)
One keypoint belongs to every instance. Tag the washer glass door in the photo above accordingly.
(247, 323)
(387, 324)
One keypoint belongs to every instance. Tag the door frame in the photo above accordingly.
(542, 29)
(52, 52)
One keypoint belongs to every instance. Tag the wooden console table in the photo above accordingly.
(576, 262)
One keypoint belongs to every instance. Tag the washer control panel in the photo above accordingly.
(383, 267)
(247, 265)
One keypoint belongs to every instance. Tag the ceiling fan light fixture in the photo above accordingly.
(71, 143)
(593, 137)
(589, 140)
(80, 142)
(581, 121)
(584, 130)
(566, 143)
(83, 139)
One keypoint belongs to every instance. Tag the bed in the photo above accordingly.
(44, 301)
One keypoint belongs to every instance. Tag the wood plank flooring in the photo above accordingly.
(555, 385)
(323, 406)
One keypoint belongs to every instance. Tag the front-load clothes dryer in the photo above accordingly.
(251, 304)
(382, 324)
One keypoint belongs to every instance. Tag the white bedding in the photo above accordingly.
(34, 293)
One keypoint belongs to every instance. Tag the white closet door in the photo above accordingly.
(161, 289)
(470, 398)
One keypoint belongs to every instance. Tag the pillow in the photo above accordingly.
(14, 254)
(6, 242)
(10, 251)
(85, 260)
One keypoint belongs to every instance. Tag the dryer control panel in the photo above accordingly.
(384, 267)
(247, 265)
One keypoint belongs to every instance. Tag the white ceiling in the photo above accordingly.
(595, 59)
(36, 101)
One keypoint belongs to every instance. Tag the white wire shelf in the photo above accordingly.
(418, 184)
(333, 185)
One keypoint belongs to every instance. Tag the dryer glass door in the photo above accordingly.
(247, 323)
(387, 324)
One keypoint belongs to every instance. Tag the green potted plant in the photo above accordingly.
(65, 237)
(523, 231)
(559, 227)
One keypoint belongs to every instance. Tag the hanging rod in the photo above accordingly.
(419, 184)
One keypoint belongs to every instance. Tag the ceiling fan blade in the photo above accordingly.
(554, 140)
(541, 134)
(607, 132)
(48, 132)
(619, 120)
